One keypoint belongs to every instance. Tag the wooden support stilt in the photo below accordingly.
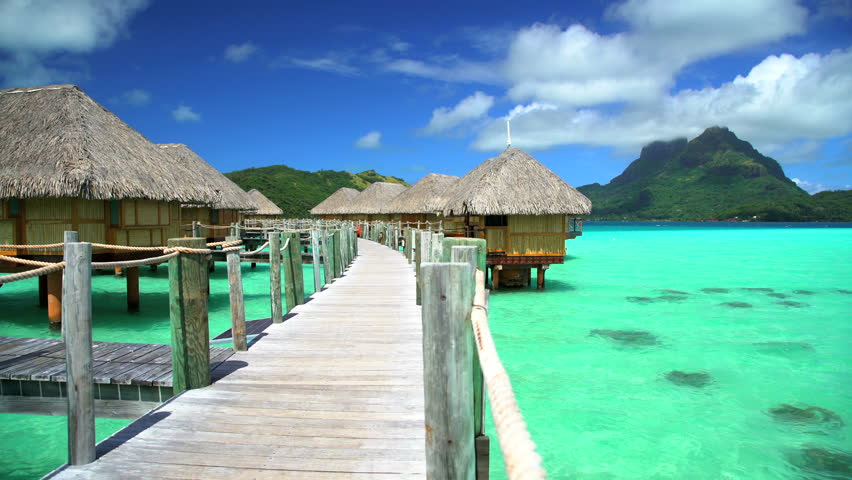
(188, 315)
(42, 291)
(447, 359)
(54, 299)
(77, 312)
(540, 279)
(132, 277)
(235, 294)
(495, 276)
(275, 276)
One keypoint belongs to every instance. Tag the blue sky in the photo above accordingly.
(412, 89)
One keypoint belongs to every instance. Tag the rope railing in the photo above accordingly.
(14, 277)
(519, 451)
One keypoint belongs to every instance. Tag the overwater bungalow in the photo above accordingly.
(424, 201)
(68, 163)
(372, 203)
(229, 200)
(265, 209)
(332, 207)
(523, 210)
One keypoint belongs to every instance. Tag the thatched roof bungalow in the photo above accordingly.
(372, 203)
(332, 207)
(523, 210)
(229, 200)
(68, 163)
(425, 200)
(265, 209)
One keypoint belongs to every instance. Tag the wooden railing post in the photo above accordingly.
(315, 259)
(436, 247)
(326, 253)
(275, 276)
(289, 275)
(196, 229)
(471, 256)
(77, 320)
(448, 381)
(332, 255)
(424, 249)
(235, 291)
(188, 314)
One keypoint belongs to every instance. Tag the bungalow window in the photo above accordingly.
(14, 207)
(496, 220)
(214, 216)
(114, 213)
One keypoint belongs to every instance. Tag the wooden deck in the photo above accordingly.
(335, 392)
(43, 360)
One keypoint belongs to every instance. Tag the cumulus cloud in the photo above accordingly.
(238, 53)
(370, 141)
(813, 187)
(782, 98)
(185, 114)
(136, 97)
(32, 32)
(474, 107)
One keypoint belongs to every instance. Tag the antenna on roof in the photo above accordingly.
(508, 134)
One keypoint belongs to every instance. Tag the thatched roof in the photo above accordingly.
(336, 202)
(263, 205)
(515, 183)
(55, 141)
(374, 199)
(226, 193)
(426, 196)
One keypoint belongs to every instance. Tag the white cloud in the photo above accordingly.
(240, 53)
(330, 63)
(184, 113)
(450, 69)
(136, 97)
(32, 31)
(370, 141)
(782, 98)
(474, 107)
(812, 187)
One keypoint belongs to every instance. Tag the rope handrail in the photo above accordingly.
(14, 277)
(519, 451)
(48, 246)
(133, 263)
(260, 249)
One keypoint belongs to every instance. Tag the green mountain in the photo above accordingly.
(297, 191)
(713, 176)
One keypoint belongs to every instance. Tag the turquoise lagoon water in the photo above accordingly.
(33, 445)
(603, 409)
(598, 408)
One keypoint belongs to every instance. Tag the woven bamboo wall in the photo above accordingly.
(189, 215)
(531, 235)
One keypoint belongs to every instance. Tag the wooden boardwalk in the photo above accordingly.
(335, 392)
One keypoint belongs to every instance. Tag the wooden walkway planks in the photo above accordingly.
(43, 359)
(335, 392)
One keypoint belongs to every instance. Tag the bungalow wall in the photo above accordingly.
(140, 223)
(515, 235)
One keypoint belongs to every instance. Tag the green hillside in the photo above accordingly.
(297, 191)
(714, 176)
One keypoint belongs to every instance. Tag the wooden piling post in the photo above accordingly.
(275, 276)
(235, 294)
(424, 252)
(447, 359)
(481, 250)
(471, 256)
(289, 273)
(77, 313)
(296, 261)
(54, 299)
(196, 229)
(540, 276)
(326, 256)
(188, 314)
(437, 247)
(315, 259)
(131, 276)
